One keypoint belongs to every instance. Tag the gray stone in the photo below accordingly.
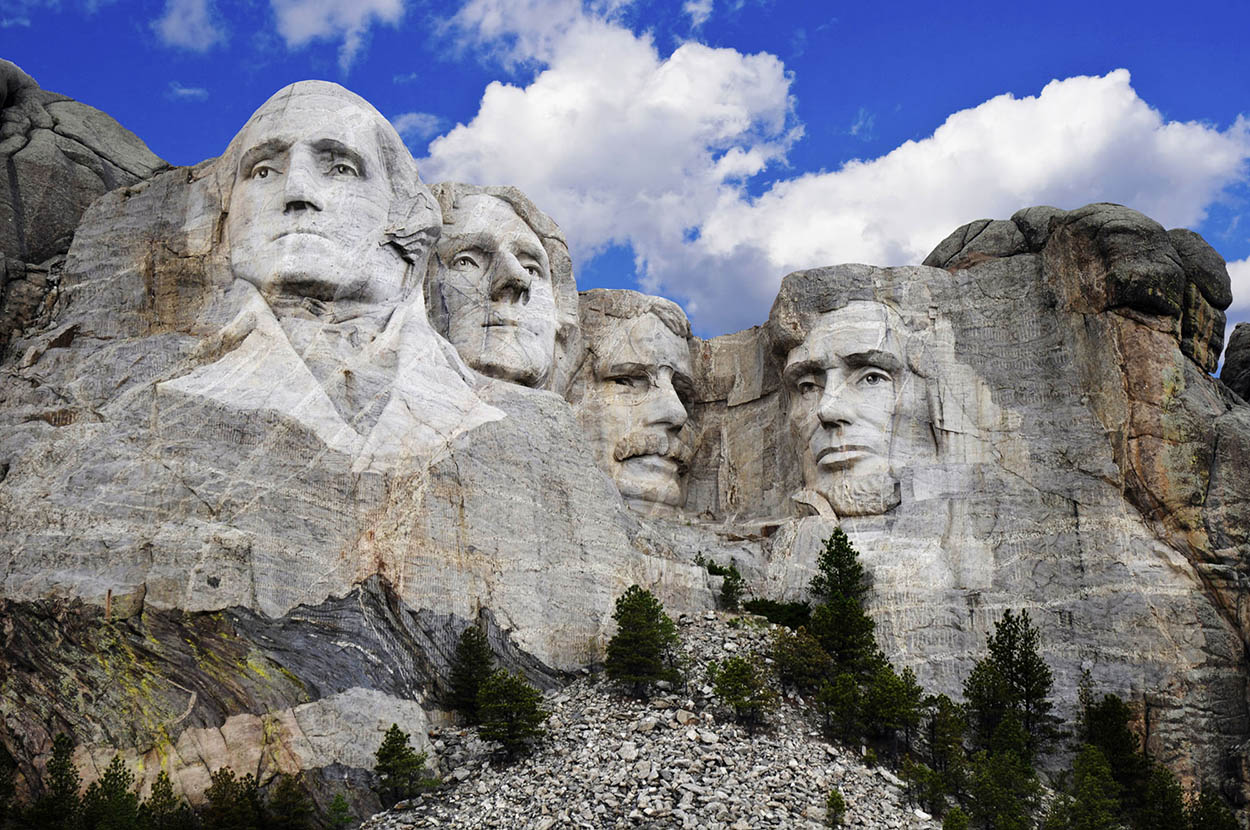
(1236, 371)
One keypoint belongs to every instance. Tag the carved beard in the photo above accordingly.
(863, 495)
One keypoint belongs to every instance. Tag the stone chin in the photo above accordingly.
(512, 353)
(858, 493)
(650, 483)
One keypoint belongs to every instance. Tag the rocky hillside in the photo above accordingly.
(676, 760)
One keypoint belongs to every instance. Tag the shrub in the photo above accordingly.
(792, 615)
(400, 768)
(739, 683)
(472, 663)
(835, 809)
(956, 819)
(799, 661)
(510, 711)
(640, 653)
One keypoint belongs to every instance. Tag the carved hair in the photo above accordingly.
(600, 305)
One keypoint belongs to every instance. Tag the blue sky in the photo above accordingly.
(703, 149)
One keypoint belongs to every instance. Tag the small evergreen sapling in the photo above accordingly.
(110, 802)
(472, 663)
(400, 768)
(835, 809)
(339, 816)
(510, 711)
(739, 682)
(640, 653)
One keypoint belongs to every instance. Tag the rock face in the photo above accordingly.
(243, 460)
(59, 156)
(1236, 371)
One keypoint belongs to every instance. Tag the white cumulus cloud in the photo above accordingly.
(178, 92)
(303, 21)
(189, 24)
(415, 126)
(699, 11)
(622, 145)
(1239, 311)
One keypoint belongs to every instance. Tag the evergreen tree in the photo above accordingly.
(731, 589)
(1004, 789)
(838, 702)
(289, 807)
(739, 683)
(944, 728)
(1095, 805)
(232, 803)
(58, 808)
(339, 816)
(510, 711)
(891, 706)
(472, 663)
(8, 788)
(400, 768)
(835, 809)
(1105, 724)
(839, 623)
(1209, 812)
(1163, 807)
(799, 661)
(111, 803)
(640, 652)
(956, 819)
(1013, 678)
(163, 810)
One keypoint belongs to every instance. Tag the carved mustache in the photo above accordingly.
(655, 443)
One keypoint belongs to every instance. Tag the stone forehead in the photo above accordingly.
(602, 309)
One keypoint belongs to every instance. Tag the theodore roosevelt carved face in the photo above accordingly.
(636, 394)
(849, 386)
(319, 183)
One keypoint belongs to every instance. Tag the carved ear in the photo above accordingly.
(414, 225)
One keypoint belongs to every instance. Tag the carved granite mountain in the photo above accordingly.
(249, 495)
(1236, 371)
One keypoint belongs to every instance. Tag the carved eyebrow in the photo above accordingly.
(873, 357)
(796, 370)
(264, 150)
(624, 368)
(339, 149)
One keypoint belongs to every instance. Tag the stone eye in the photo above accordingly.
(463, 261)
(875, 376)
(344, 169)
(262, 171)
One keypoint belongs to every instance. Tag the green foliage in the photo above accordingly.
(1105, 724)
(731, 589)
(792, 615)
(510, 711)
(1163, 807)
(740, 683)
(799, 661)
(163, 810)
(58, 807)
(472, 663)
(956, 819)
(835, 809)
(839, 623)
(1209, 812)
(1095, 802)
(944, 725)
(838, 702)
(232, 803)
(892, 705)
(400, 768)
(339, 816)
(289, 807)
(1011, 679)
(1004, 789)
(641, 651)
(838, 572)
(110, 802)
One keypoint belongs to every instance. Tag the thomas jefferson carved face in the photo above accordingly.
(311, 198)
(494, 284)
(635, 410)
(849, 384)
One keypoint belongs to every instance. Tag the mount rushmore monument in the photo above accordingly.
(277, 427)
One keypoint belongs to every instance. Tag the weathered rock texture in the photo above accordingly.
(246, 508)
(1236, 371)
(59, 156)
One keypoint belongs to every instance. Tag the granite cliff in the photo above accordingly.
(283, 423)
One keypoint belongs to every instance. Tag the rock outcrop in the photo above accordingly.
(1236, 371)
(239, 460)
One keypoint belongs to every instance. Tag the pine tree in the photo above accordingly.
(956, 819)
(839, 622)
(838, 572)
(799, 661)
(1013, 678)
(399, 767)
(163, 810)
(510, 711)
(1004, 789)
(944, 729)
(58, 807)
(289, 807)
(473, 663)
(640, 652)
(339, 816)
(739, 683)
(731, 588)
(891, 705)
(1209, 812)
(835, 809)
(111, 803)
(838, 701)
(1105, 724)
(1095, 802)
(232, 803)
(1163, 807)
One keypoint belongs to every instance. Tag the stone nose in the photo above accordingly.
(510, 282)
(302, 191)
(664, 406)
(836, 407)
